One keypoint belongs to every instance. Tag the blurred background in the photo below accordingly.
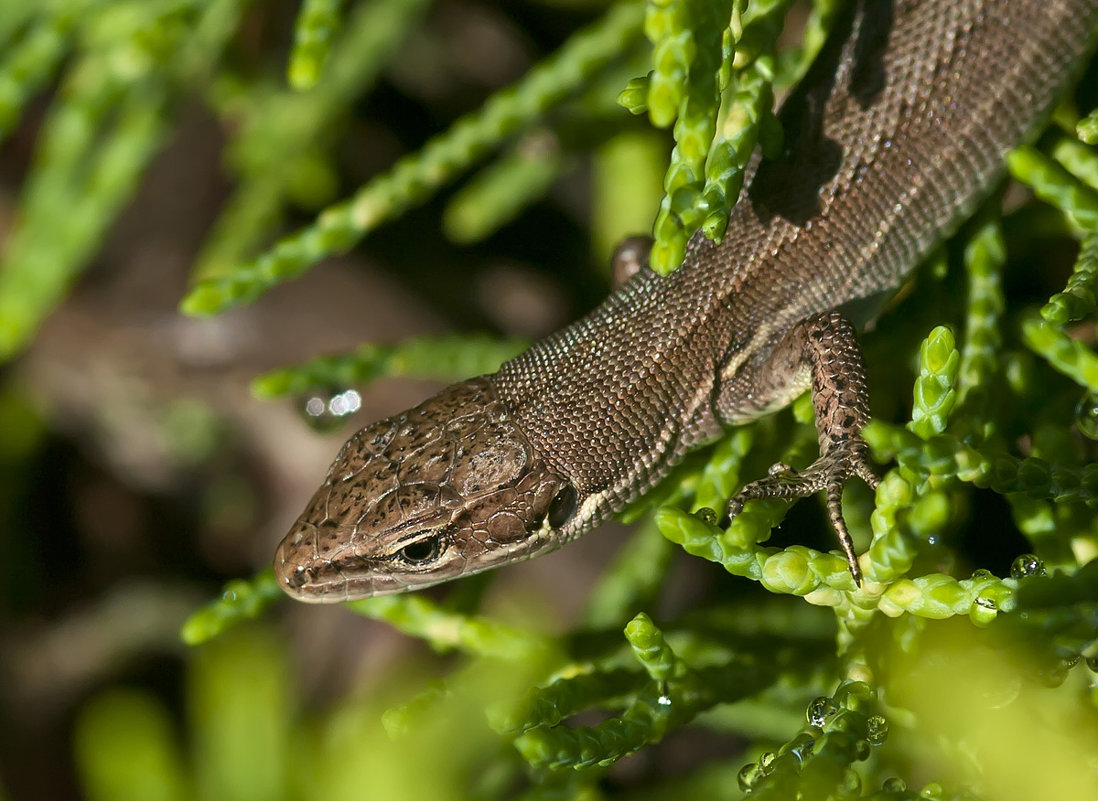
(138, 471)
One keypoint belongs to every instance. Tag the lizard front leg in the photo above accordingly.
(824, 350)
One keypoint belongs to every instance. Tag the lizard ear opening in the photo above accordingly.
(563, 506)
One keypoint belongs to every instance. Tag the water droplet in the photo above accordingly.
(876, 729)
(1072, 661)
(1092, 663)
(1054, 675)
(800, 746)
(749, 776)
(1027, 565)
(820, 710)
(981, 574)
(326, 410)
(664, 700)
(766, 760)
(706, 515)
(986, 603)
(345, 403)
(931, 792)
(894, 785)
(1086, 415)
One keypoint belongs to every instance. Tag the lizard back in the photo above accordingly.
(895, 133)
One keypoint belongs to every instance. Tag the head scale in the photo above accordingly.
(449, 488)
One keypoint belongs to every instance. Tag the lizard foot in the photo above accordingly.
(827, 474)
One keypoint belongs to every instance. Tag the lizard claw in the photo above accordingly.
(827, 474)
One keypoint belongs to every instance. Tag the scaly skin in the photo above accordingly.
(895, 134)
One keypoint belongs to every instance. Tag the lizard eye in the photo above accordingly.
(563, 506)
(421, 551)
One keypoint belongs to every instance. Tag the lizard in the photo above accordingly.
(897, 131)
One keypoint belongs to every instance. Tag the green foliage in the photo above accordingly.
(633, 581)
(111, 115)
(415, 178)
(239, 710)
(673, 693)
(688, 39)
(239, 601)
(985, 255)
(446, 629)
(443, 358)
(500, 191)
(1055, 184)
(934, 388)
(29, 64)
(126, 750)
(1087, 128)
(816, 762)
(992, 400)
(317, 23)
(696, 55)
(1078, 299)
(294, 129)
(247, 738)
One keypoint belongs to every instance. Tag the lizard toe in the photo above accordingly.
(828, 474)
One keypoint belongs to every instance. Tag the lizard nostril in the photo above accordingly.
(298, 578)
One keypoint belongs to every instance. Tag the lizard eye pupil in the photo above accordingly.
(563, 506)
(418, 553)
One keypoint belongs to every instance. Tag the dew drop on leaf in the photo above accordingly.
(326, 410)
(1027, 565)
(876, 729)
(749, 776)
(894, 785)
(804, 748)
(1086, 415)
(820, 710)
(706, 515)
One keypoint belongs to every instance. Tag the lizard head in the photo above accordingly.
(446, 489)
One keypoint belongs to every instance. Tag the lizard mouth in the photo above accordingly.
(327, 581)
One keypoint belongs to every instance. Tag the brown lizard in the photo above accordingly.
(897, 131)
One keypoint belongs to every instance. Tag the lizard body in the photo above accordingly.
(896, 132)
